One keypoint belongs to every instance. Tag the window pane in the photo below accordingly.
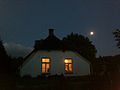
(43, 68)
(66, 68)
(47, 67)
(70, 67)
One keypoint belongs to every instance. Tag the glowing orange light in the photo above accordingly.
(45, 65)
(43, 68)
(68, 61)
(45, 60)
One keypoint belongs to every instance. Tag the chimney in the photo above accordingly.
(51, 32)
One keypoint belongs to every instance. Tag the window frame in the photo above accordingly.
(68, 72)
(45, 65)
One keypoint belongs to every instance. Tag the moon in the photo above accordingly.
(91, 33)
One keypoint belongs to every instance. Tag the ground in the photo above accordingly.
(56, 83)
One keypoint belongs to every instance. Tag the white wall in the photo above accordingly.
(32, 66)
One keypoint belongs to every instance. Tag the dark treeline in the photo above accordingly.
(116, 34)
(106, 72)
(8, 65)
(107, 65)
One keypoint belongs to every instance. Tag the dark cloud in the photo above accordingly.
(17, 50)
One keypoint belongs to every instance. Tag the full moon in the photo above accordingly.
(91, 33)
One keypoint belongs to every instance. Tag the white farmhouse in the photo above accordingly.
(49, 58)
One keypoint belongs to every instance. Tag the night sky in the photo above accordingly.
(24, 21)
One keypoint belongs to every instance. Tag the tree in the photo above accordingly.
(117, 37)
(80, 44)
(3, 53)
(15, 63)
(4, 60)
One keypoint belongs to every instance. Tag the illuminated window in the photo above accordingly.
(45, 65)
(68, 66)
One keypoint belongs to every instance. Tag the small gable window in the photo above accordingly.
(68, 65)
(45, 65)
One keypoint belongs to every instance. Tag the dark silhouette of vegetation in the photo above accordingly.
(15, 63)
(80, 44)
(4, 60)
(117, 37)
(107, 70)
(6, 74)
(107, 64)
(8, 65)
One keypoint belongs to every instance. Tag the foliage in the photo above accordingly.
(117, 37)
(3, 53)
(7, 63)
(4, 61)
(80, 44)
(15, 63)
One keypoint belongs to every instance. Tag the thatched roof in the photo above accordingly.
(49, 43)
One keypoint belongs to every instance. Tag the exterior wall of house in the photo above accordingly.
(32, 66)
